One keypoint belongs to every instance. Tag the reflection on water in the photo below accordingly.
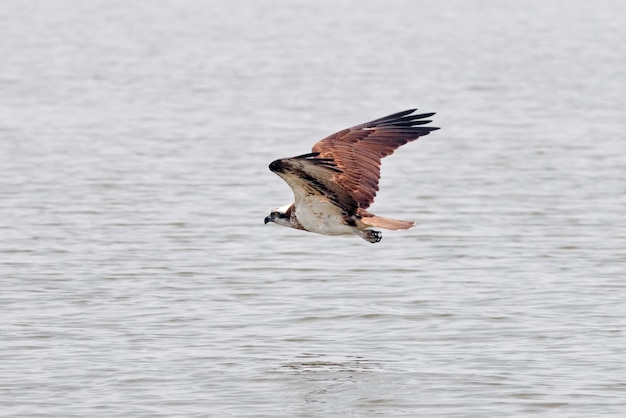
(321, 363)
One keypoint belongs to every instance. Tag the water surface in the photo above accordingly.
(138, 278)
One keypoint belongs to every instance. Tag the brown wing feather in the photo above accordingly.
(357, 151)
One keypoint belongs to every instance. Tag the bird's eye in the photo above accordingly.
(274, 214)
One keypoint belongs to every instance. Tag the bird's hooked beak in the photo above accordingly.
(269, 219)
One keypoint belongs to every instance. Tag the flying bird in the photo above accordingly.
(335, 184)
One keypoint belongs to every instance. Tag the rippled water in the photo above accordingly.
(138, 278)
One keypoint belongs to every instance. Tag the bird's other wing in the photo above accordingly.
(309, 175)
(357, 151)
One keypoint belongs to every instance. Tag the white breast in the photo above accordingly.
(318, 215)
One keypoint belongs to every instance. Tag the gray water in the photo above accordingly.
(138, 279)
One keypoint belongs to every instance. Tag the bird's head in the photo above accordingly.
(280, 216)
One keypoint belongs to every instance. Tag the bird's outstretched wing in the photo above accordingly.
(355, 153)
(308, 175)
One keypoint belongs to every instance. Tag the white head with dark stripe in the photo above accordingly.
(281, 216)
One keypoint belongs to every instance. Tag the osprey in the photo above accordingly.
(335, 184)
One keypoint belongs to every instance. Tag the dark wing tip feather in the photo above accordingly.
(400, 119)
(324, 162)
(424, 130)
(309, 155)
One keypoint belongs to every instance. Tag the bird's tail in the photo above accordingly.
(386, 223)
